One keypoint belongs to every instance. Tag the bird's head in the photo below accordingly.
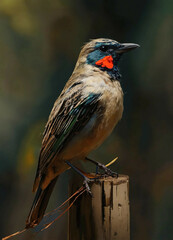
(104, 54)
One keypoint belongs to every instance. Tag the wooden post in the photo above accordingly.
(105, 216)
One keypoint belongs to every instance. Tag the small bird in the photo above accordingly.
(83, 116)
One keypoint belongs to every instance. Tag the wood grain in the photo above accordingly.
(106, 215)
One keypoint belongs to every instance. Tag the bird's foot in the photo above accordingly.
(107, 171)
(86, 185)
(87, 179)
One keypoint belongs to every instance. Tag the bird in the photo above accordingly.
(83, 116)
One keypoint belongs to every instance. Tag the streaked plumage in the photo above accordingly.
(85, 113)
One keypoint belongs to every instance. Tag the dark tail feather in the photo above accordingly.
(39, 205)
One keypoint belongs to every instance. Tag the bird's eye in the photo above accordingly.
(103, 48)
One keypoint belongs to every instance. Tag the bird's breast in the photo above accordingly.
(112, 102)
(100, 125)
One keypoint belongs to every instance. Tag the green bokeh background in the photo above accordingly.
(39, 45)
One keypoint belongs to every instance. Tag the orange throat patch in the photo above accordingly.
(106, 62)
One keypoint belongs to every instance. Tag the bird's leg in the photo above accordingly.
(86, 179)
(102, 166)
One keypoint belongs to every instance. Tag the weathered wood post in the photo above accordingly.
(106, 215)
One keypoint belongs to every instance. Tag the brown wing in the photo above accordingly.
(67, 118)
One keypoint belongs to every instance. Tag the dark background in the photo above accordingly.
(39, 45)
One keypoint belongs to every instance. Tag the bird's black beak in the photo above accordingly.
(125, 47)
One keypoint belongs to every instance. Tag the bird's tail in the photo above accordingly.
(39, 205)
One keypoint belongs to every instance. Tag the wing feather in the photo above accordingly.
(72, 115)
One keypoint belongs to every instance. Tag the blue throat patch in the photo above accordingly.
(96, 55)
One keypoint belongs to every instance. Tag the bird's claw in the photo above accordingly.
(107, 171)
(85, 183)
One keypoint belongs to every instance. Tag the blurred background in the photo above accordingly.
(39, 45)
